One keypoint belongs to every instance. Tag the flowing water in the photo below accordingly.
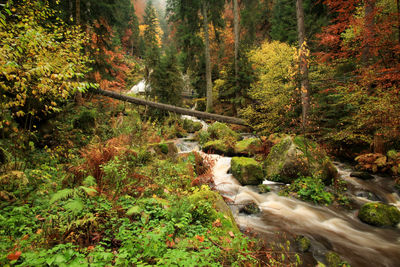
(328, 228)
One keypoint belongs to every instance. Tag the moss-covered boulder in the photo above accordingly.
(379, 214)
(219, 147)
(248, 147)
(263, 188)
(163, 149)
(303, 243)
(192, 126)
(250, 208)
(296, 156)
(221, 131)
(333, 259)
(247, 171)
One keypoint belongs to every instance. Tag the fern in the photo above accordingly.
(75, 206)
(62, 194)
(89, 181)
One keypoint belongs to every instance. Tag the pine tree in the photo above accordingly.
(150, 38)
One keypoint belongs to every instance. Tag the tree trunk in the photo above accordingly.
(303, 64)
(369, 28)
(183, 111)
(236, 32)
(78, 12)
(398, 18)
(207, 57)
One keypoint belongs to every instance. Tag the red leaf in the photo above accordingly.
(14, 256)
(200, 238)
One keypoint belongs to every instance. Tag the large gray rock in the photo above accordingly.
(296, 156)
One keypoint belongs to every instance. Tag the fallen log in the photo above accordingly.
(179, 110)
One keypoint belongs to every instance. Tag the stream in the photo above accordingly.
(328, 228)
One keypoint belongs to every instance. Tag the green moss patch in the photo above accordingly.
(379, 214)
(247, 171)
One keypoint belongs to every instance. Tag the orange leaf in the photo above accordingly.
(14, 256)
(217, 223)
(200, 238)
(231, 234)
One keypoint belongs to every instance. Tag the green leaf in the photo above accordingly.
(62, 194)
(134, 210)
(74, 206)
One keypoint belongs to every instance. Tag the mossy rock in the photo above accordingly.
(248, 147)
(303, 243)
(192, 126)
(218, 147)
(85, 121)
(263, 188)
(221, 131)
(247, 171)
(200, 198)
(163, 149)
(333, 259)
(294, 157)
(250, 208)
(379, 214)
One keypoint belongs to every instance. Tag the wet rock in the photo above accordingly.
(368, 195)
(296, 156)
(250, 208)
(247, 171)
(379, 214)
(263, 188)
(362, 175)
(218, 147)
(248, 147)
(303, 243)
(192, 126)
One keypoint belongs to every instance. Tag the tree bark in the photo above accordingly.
(398, 18)
(236, 32)
(183, 111)
(207, 58)
(303, 64)
(369, 28)
(78, 12)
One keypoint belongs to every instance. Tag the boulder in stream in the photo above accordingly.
(221, 131)
(296, 156)
(218, 147)
(247, 171)
(362, 175)
(192, 126)
(303, 243)
(379, 214)
(250, 208)
(248, 147)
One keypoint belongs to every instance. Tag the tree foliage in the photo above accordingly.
(273, 94)
(40, 60)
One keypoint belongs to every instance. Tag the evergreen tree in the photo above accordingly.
(284, 24)
(150, 38)
(166, 80)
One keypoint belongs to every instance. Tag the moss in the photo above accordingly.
(250, 208)
(217, 147)
(220, 130)
(333, 259)
(163, 148)
(248, 146)
(263, 188)
(303, 243)
(379, 214)
(192, 126)
(247, 171)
